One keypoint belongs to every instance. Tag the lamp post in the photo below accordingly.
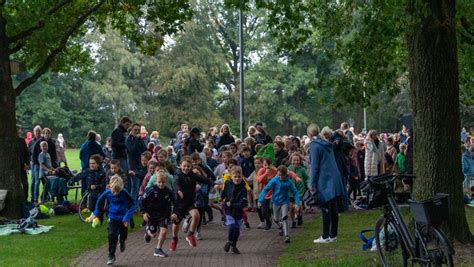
(241, 69)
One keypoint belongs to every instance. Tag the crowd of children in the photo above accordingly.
(199, 175)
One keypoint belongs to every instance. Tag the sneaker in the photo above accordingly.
(147, 238)
(267, 228)
(322, 240)
(173, 244)
(198, 236)
(333, 239)
(293, 224)
(260, 225)
(235, 250)
(227, 246)
(300, 219)
(287, 239)
(160, 253)
(247, 225)
(110, 260)
(191, 240)
(122, 246)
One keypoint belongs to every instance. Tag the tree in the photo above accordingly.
(49, 41)
(376, 42)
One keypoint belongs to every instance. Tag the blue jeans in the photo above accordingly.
(135, 185)
(35, 182)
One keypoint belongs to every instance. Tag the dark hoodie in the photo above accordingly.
(237, 196)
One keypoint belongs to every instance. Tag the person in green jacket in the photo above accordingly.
(400, 159)
(160, 167)
(296, 212)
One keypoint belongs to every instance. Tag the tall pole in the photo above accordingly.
(241, 78)
(365, 115)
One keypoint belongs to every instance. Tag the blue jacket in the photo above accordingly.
(202, 196)
(89, 148)
(468, 164)
(281, 190)
(135, 147)
(324, 173)
(121, 206)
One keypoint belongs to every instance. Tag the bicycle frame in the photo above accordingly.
(391, 209)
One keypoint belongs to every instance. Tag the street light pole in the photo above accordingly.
(241, 78)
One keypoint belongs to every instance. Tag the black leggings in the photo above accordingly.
(265, 213)
(354, 187)
(116, 230)
(330, 218)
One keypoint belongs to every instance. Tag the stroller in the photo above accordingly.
(55, 184)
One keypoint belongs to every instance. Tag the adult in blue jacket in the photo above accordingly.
(135, 147)
(89, 148)
(325, 180)
(467, 165)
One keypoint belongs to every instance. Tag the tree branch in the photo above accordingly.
(62, 45)
(39, 24)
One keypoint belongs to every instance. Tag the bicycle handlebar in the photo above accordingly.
(389, 178)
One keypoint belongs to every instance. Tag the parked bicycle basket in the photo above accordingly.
(433, 211)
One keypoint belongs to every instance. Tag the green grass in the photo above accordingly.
(68, 239)
(347, 251)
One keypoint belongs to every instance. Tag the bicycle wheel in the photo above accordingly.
(83, 212)
(438, 248)
(390, 246)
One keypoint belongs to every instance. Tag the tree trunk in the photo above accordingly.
(9, 149)
(434, 84)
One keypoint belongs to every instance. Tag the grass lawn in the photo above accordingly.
(67, 240)
(347, 251)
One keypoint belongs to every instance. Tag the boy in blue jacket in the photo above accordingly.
(281, 186)
(120, 212)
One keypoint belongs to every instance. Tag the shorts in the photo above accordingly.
(182, 210)
(153, 226)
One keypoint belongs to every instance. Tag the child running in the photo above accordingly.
(234, 196)
(155, 206)
(120, 212)
(297, 167)
(281, 186)
(184, 186)
(264, 176)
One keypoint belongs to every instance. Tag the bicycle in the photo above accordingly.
(428, 246)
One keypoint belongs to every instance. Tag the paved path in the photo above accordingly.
(258, 248)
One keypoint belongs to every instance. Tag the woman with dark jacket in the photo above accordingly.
(192, 143)
(342, 149)
(225, 137)
(326, 181)
(88, 148)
